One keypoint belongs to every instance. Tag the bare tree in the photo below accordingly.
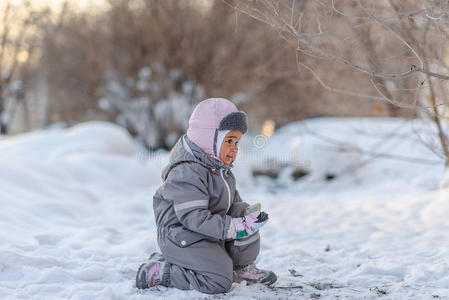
(396, 50)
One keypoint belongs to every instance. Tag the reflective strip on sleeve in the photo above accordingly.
(190, 204)
(247, 241)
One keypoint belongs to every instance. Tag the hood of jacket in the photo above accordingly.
(209, 118)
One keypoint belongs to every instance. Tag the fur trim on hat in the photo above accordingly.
(234, 121)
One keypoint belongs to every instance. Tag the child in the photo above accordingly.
(207, 241)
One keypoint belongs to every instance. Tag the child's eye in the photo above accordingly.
(229, 141)
(236, 143)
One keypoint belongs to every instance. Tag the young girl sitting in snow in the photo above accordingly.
(208, 237)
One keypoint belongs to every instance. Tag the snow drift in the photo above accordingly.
(76, 218)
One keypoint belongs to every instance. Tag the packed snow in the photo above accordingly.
(369, 220)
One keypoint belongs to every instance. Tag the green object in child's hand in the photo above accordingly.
(241, 234)
(252, 208)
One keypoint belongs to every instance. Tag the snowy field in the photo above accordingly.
(76, 215)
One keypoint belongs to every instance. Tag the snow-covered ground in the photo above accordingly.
(76, 214)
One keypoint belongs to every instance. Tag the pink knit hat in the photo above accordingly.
(209, 118)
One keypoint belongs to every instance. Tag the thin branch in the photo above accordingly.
(324, 85)
(395, 34)
(432, 74)
(324, 53)
(314, 48)
(375, 154)
(340, 148)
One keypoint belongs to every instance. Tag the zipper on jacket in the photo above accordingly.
(229, 190)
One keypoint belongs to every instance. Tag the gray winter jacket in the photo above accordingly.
(198, 197)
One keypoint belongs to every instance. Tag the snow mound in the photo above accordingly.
(77, 220)
(374, 152)
(90, 137)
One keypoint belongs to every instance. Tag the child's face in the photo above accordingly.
(229, 148)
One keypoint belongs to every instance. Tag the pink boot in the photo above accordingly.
(251, 274)
(150, 273)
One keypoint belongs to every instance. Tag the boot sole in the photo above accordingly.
(271, 279)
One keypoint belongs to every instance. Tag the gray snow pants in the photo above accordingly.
(204, 265)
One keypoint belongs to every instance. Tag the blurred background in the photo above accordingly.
(144, 64)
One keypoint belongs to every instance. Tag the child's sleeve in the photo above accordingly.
(237, 208)
(190, 199)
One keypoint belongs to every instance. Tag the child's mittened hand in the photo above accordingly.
(247, 225)
(255, 220)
